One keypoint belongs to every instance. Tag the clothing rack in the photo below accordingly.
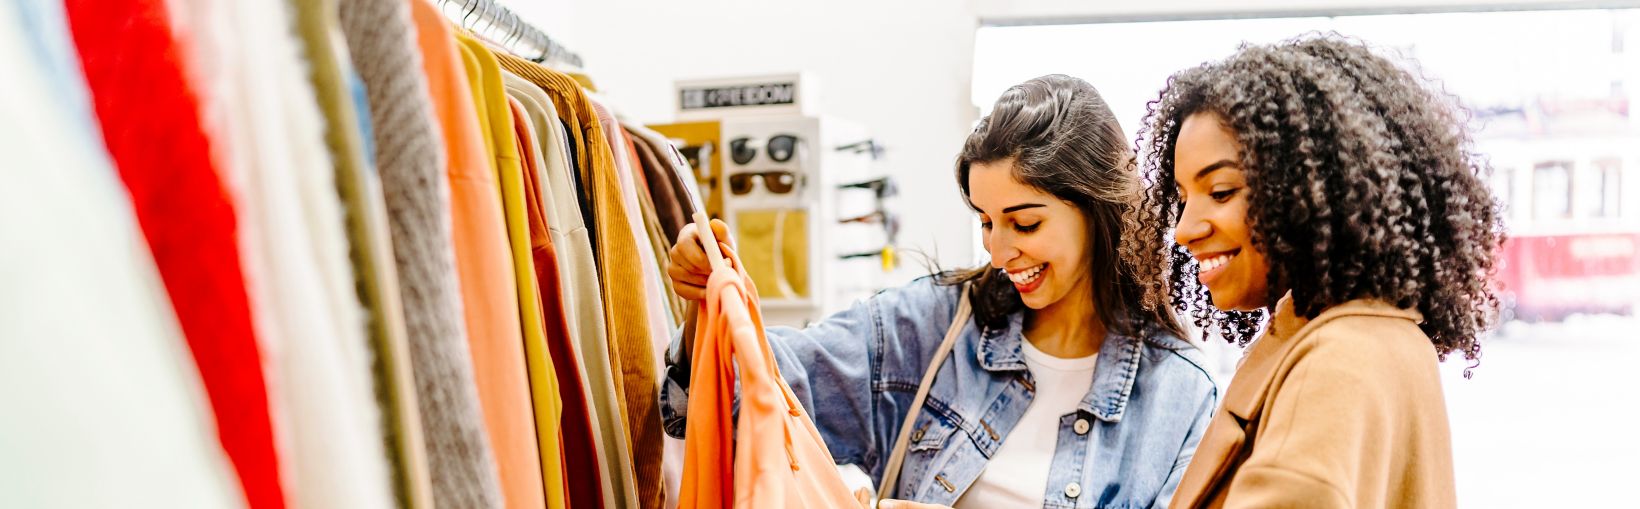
(488, 18)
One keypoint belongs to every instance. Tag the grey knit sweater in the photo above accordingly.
(411, 160)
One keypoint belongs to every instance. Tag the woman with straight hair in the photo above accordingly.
(1060, 390)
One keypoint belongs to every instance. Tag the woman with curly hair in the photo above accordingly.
(1325, 187)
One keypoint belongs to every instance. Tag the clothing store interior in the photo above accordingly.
(641, 254)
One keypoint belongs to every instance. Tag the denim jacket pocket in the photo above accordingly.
(931, 430)
(928, 448)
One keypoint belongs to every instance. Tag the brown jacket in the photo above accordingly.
(1345, 410)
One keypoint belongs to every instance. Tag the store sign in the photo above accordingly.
(782, 94)
(738, 95)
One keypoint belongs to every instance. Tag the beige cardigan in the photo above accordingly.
(1345, 410)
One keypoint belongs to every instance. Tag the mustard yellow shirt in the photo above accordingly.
(542, 377)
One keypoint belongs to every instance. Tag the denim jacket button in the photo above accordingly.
(1072, 490)
(1081, 426)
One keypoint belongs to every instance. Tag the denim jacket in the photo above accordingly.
(856, 372)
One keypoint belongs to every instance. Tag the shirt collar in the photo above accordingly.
(1265, 356)
(1113, 375)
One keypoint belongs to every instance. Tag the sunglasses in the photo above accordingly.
(777, 182)
(781, 148)
(890, 222)
(869, 146)
(884, 187)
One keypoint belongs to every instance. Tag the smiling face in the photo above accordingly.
(1040, 240)
(1213, 188)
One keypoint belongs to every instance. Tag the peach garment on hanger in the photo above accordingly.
(779, 459)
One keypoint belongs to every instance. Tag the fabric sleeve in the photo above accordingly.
(843, 367)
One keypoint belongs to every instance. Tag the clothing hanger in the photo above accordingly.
(466, 18)
(487, 20)
(509, 35)
(550, 51)
(714, 256)
(500, 26)
(506, 30)
(528, 37)
(708, 240)
(514, 32)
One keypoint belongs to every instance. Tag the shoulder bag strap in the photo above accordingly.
(891, 473)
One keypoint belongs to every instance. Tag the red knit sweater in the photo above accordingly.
(151, 123)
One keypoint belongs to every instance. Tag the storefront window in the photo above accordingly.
(1552, 190)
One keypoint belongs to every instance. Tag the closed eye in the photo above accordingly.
(1225, 195)
(1027, 228)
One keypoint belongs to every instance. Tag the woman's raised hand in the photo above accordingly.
(689, 267)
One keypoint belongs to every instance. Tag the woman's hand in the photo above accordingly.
(689, 267)
(864, 497)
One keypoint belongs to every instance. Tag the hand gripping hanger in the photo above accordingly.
(708, 240)
(714, 256)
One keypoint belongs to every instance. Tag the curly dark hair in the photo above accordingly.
(1361, 180)
(1065, 141)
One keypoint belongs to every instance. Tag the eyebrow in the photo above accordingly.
(1221, 164)
(1022, 206)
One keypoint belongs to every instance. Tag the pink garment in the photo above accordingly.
(779, 458)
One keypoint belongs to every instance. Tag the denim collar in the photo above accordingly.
(1113, 375)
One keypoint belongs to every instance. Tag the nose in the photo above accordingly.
(1193, 225)
(1000, 244)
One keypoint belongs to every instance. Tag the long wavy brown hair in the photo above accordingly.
(1065, 141)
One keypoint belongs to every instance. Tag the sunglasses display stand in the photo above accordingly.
(772, 167)
(775, 179)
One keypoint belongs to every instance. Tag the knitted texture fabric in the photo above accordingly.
(411, 162)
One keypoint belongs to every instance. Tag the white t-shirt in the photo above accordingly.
(1017, 475)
